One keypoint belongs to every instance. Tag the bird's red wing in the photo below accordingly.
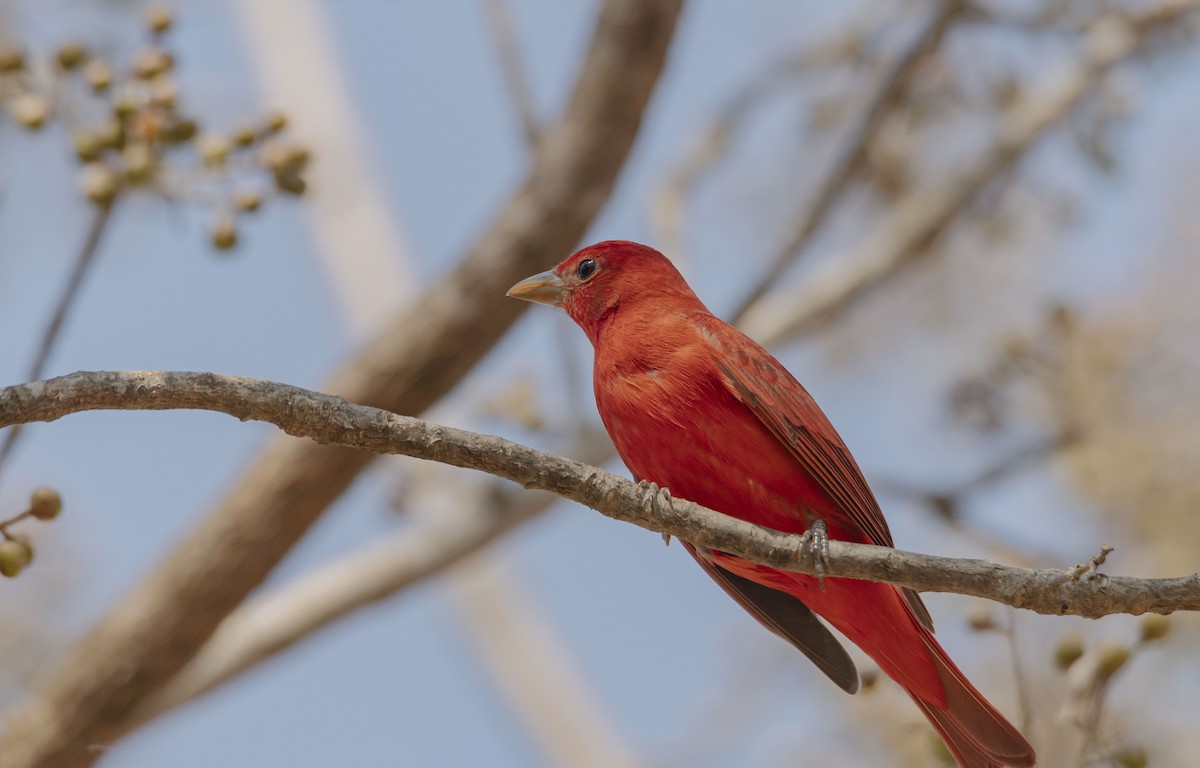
(774, 396)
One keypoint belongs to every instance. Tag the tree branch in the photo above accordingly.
(332, 420)
(416, 358)
(919, 219)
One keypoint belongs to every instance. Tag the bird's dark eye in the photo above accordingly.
(586, 269)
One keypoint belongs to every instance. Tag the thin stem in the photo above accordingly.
(505, 38)
(70, 293)
(13, 521)
(1024, 701)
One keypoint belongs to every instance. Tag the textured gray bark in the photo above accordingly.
(334, 421)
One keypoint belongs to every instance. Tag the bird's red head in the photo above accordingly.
(596, 282)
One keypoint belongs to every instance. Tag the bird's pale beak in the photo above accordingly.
(543, 288)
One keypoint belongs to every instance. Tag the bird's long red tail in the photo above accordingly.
(879, 620)
(975, 733)
(882, 623)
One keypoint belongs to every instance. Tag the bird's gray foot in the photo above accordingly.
(814, 547)
(655, 501)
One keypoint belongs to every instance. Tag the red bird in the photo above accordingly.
(695, 406)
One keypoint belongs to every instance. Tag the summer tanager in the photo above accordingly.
(696, 407)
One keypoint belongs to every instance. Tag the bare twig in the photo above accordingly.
(946, 504)
(505, 37)
(1024, 700)
(1089, 681)
(919, 219)
(416, 358)
(83, 262)
(1090, 569)
(891, 91)
(332, 420)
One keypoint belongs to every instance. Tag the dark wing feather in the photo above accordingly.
(789, 618)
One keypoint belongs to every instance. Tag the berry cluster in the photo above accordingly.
(16, 549)
(129, 132)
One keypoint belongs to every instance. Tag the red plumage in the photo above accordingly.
(695, 406)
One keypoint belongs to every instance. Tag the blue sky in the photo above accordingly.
(398, 684)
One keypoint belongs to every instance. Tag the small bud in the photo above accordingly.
(1063, 317)
(224, 233)
(152, 62)
(282, 158)
(98, 75)
(1112, 658)
(298, 157)
(71, 55)
(125, 106)
(1067, 652)
(45, 503)
(980, 619)
(98, 183)
(164, 93)
(1006, 92)
(11, 60)
(88, 146)
(276, 122)
(158, 18)
(14, 556)
(1016, 349)
(27, 543)
(213, 148)
(30, 110)
(291, 184)
(1155, 626)
(139, 162)
(1132, 757)
(869, 678)
(179, 131)
(111, 134)
(244, 136)
(247, 199)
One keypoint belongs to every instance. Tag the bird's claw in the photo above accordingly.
(653, 498)
(814, 547)
(655, 501)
